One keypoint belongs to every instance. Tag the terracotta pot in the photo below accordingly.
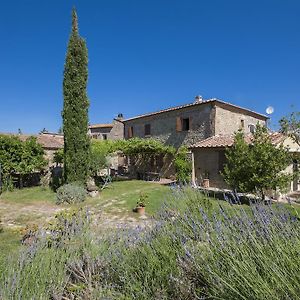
(140, 210)
(205, 183)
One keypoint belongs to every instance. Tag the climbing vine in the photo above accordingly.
(183, 165)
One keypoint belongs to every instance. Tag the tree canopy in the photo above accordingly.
(290, 125)
(20, 157)
(258, 166)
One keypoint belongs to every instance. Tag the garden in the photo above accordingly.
(195, 247)
(143, 240)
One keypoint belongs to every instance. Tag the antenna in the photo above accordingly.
(269, 110)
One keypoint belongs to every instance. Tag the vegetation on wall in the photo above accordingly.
(143, 146)
(145, 149)
(136, 147)
(256, 167)
(183, 165)
(19, 157)
(75, 110)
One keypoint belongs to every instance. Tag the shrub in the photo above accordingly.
(70, 193)
(183, 165)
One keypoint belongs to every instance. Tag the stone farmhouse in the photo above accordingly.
(111, 131)
(207, 128)
(190, 123)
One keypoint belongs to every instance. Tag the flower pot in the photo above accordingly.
(140, 210)
(205, 183)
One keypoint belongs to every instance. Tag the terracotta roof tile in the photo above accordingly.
(213, 100)
(227, 140)
(101, 126)
(46, 140)
(51, 141)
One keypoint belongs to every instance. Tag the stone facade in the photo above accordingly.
(208, 163)
(163, 126)
(228, 119)
(191, 123)
(113, 131)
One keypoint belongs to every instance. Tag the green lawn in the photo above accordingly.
(29, 196)
(127, 193)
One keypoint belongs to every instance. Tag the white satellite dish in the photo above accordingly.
(269, 110)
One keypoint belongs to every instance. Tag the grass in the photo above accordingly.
(28, 196)
(36, 205)
(127, 193)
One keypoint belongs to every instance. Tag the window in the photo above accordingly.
(183, 124)
(130, 132)
(242, 124)
(222, 160)
(104, 136)
(147, 129)
(251, 128)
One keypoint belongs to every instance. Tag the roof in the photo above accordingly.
(227, 140)
(101, 126)
(51, 141)
(46, 140)
(213, 101)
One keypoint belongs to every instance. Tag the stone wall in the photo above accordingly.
(228, 121)
(49, 156)
(97, 133)
(117, 132)
(163, 126)
(209, 161)
(205, 120)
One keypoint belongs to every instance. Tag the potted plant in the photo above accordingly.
(205, 181)
(141, 204)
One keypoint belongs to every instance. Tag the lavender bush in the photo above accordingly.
(198, 249)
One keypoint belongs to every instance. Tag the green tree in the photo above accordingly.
(75, 110)
(19, 157)
(58, 157)
(258, 166)
(100, 150)
(290, 125)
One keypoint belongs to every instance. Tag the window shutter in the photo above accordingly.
(190, 123)
(130, 132)
(178, 124)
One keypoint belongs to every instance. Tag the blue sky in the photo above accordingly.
(147, 55)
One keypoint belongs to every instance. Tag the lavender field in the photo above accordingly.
(195, 249)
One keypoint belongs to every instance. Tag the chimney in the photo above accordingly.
(120, 117)
(198, 99)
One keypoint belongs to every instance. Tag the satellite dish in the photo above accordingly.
(269, 110)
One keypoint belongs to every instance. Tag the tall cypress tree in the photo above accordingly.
(75, 110)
